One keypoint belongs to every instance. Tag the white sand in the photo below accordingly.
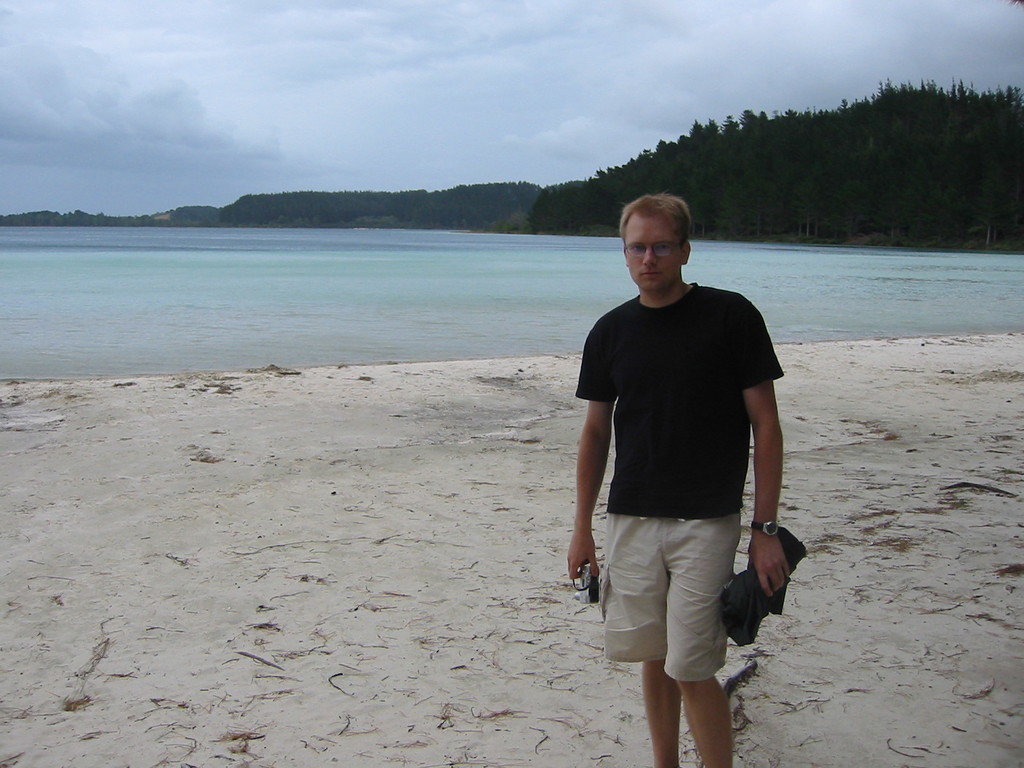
(363, 566)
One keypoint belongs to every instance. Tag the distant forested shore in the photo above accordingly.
(909, 166)
(477, 206)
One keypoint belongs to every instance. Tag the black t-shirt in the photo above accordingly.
(676, 375)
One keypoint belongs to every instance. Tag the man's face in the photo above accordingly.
(657, 276)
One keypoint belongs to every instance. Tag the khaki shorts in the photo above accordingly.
(660, 591)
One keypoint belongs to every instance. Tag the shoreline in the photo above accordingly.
(366, 563)
(299, 369)
(872, 240)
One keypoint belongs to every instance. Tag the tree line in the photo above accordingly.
(186, 216)
(499, 206)
(477, 206)
(910, 165)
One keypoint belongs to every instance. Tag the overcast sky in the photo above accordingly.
(127, 107)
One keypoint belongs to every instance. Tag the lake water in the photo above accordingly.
(112, 301)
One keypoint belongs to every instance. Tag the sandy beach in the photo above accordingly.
(364, 566)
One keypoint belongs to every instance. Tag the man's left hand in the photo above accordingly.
(769, 561)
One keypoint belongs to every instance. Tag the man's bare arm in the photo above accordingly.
(591, 463)
(765, 551)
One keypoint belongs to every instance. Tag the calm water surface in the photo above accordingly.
(111, 301)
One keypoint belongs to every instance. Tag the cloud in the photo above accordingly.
(69, 116)
(71, 106)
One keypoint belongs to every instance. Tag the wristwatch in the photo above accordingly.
(768, 529)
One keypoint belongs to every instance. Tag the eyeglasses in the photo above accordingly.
(639, 250)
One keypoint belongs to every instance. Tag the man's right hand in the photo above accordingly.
(582, 550)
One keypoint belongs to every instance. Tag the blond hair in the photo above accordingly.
(664, 204)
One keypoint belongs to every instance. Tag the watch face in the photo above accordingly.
(771, 528)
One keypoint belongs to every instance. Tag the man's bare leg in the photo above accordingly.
(710, 721)
(662, 701)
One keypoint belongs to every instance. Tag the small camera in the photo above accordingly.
(588, 589)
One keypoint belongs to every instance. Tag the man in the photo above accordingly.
(684, 374)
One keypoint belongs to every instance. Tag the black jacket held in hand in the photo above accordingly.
(744, 603)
